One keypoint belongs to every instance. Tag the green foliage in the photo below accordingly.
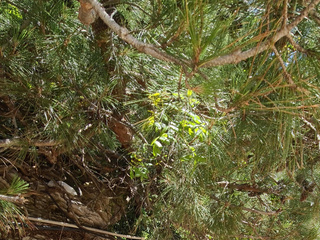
(10, 215)
(17, 186)
(226, 152)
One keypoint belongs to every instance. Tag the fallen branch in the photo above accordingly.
(16, 142)
(63, 224)
(13, 199)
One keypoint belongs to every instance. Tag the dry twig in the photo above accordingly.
(64, 224)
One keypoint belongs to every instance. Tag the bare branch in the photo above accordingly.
(285, 12)
(287, 75)
(303, 14)
(63, 224)
(13, 199)
(245, 187)
(251, 237)
(261, 212)
(296, 45)
(315, 16)
(247, 209)
(238, 56)
(16, 142)
(125, 35)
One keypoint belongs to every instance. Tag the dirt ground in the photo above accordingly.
(52, 233)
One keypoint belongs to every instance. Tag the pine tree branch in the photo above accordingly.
(303, 14)
(261, 212)
(287, 75)
(313, 13)
(228, 204)
(245, 188)
(296, 45)
(238, 56)
(315, 16)
(125, 35)
(251, 237)
(43, 146)
(232, 58)
(285, 12)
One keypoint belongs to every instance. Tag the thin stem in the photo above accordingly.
(288, 76)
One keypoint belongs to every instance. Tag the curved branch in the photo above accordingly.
(232, 58)
(238, 56)
(303, 14)
(125, 35)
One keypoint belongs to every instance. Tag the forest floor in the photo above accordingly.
(52, 233)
